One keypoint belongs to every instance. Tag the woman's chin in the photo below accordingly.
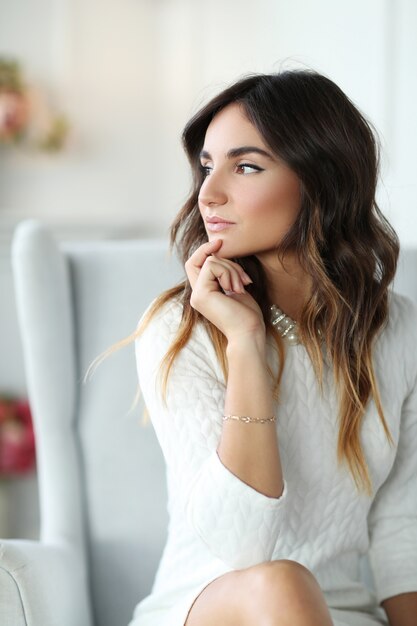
(229, 251)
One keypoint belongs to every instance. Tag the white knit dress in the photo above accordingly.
(218, 523)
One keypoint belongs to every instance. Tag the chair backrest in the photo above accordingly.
(405, 281)
(101, 472)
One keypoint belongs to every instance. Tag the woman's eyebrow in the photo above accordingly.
(236, 152)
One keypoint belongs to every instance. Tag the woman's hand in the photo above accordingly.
(236, 314)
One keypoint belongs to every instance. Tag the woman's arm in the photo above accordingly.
(250, 450)
(401, 610)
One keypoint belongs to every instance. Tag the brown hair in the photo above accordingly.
(341, 238)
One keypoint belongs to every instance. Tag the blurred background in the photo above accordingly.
(93, 98)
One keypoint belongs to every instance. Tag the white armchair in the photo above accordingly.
(101, 473)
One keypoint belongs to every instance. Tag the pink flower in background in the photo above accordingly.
(24, 113)
(17, 440)
(14, 114)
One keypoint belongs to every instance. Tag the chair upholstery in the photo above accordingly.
(101, 472)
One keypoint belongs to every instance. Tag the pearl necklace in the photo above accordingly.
(286, 326)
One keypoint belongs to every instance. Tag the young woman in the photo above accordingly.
(287, 409)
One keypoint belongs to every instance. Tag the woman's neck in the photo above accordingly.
(289, 287)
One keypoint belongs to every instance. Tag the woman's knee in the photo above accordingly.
(283, 570)
(287, 589)
(287, 580)
(273, 592)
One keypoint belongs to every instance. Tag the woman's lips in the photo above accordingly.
(215, 226)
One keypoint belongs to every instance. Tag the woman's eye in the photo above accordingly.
(247, 166)
(205, 169)
(243, 168)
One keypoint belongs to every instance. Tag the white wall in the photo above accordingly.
(130, 73)
(401, 96)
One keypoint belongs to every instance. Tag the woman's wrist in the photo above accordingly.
(246, 344)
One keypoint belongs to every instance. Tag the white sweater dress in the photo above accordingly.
(218, 523)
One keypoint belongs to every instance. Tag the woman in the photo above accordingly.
(287, 414)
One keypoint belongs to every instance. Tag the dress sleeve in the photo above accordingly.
(392, 519)
(238, 524)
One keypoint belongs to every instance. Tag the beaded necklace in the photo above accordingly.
(286, 326)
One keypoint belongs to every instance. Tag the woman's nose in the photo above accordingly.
(212, 190)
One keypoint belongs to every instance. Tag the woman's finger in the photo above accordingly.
(239, 277)
(217, 272)
(231, 278)
(238, 269)
(230, 281)
(196, 261)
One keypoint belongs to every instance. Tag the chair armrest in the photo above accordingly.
(42, 585)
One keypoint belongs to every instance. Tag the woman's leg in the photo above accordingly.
(273, 593)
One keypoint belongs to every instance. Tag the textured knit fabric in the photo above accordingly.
(218, 523)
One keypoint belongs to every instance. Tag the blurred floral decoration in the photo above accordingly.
(25, 117)
(17, 440)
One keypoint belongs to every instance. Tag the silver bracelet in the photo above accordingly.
(247, 419)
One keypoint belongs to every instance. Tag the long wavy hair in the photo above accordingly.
(340, 237)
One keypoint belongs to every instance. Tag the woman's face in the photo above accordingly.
(245, 185)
